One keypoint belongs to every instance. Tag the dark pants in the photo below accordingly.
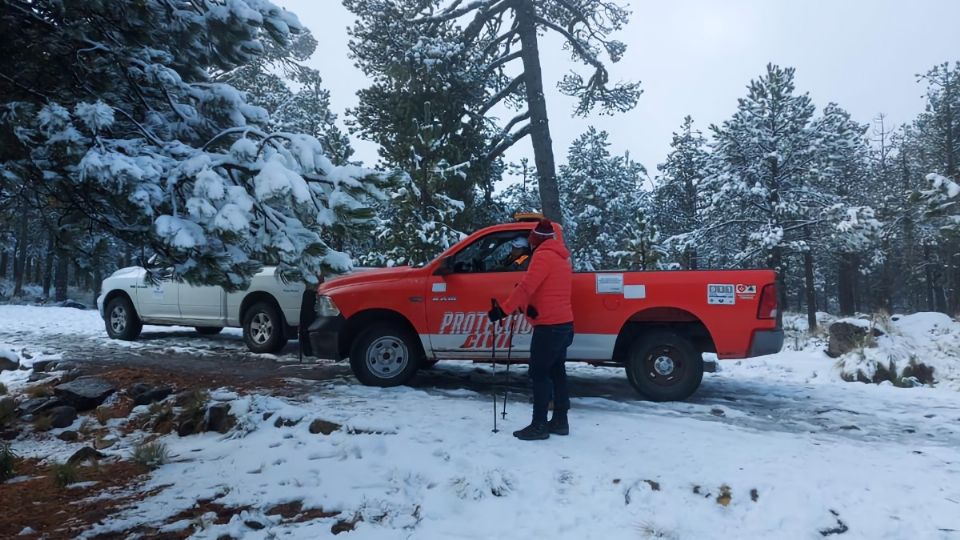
(548, 353)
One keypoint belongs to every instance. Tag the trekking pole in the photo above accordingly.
(506, 386)
(493, 365)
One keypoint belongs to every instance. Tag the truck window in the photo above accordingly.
(493, 253)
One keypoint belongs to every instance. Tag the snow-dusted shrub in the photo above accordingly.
(8, 462)
(151, 455)
(923, 348)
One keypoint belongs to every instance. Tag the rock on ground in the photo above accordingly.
(846, 336)
(85, 393)
(63, 416)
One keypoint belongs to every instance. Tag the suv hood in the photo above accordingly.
(367, 276)
(130, 271)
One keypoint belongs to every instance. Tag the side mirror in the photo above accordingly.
(445, 268)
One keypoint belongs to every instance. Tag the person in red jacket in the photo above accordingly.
(543, 295)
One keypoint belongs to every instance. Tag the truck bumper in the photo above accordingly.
(766, 342)
(324, 336)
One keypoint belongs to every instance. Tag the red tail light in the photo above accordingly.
(768, 302)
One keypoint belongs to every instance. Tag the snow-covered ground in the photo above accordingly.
(772, 447)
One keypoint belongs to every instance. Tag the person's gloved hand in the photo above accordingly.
(496, 313)
(532, 312)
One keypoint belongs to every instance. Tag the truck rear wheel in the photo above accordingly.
(664, 366)
(385, 354)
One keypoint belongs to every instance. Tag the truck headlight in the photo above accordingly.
(325, 307)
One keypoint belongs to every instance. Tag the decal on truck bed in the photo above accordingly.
(746, 292)
(609, 283)
(634, 292)
(721, 294)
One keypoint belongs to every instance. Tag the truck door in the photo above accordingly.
(157, 301)
(201, 304)
(458, 302)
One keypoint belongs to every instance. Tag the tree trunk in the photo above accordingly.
(845, 284)
(97, 274)
(536, 103)
(4, 262)
(776, 262)
(928, 278)
(48, 266)
(37, 270)
(20, 260)
(62, 277)
(811, 293)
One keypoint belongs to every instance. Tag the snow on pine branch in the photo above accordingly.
(137, 138)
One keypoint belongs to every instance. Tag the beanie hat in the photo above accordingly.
(544, 229)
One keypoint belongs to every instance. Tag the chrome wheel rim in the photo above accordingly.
(118, 319)
(261, 328)
(663, 365)
(387, 356)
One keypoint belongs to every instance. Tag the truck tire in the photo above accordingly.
(263, 328)
(664, 366)
(121, 319)
(208, 330)
(385, 354)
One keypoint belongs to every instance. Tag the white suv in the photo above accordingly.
(268, 311)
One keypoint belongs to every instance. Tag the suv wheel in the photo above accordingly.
(121, 319)
(664, 366)
(385, 354)
(263, 328)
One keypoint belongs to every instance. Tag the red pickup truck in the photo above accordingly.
(390, 322)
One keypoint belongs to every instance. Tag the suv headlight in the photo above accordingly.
(325, 307)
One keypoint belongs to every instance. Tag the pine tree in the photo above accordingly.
(114, 117)
(419, 109)
(642, 249)
(676, 195)
(416, 223)
(771, 187)
(600, 194)
(502, 36)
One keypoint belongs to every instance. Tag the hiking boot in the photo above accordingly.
(558, 425)
(533, 432)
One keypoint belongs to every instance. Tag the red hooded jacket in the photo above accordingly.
(546, 285)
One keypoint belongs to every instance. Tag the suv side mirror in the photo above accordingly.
(445, 268)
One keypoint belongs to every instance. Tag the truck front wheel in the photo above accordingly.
(385, 354)
(664, 366)
(121, 319)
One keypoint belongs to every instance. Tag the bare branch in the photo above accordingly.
(503, 60)
(508, 36)
(502, 94)
(578, 47)
(506, 143)
(516, 120)
(24, 87)
(483, 17)
(454, 12)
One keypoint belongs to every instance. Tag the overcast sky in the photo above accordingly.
(696, 57)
